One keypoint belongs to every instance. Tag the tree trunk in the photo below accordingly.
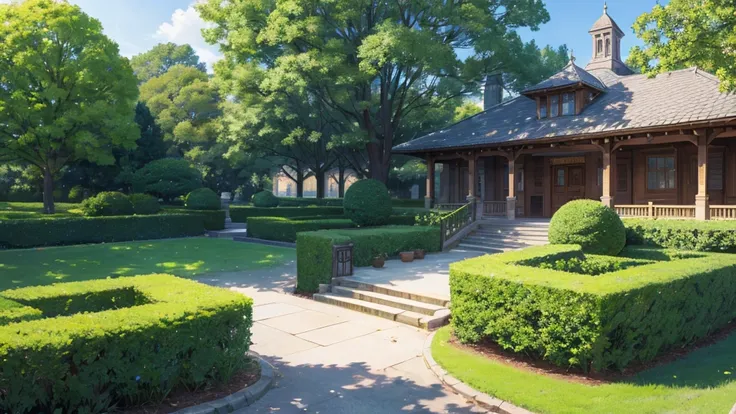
(299, 184)
(48, 192)
(378, 168)
(341, 182)
(319, 175)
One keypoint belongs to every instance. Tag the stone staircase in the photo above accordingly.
(498, 235)
(413, 309)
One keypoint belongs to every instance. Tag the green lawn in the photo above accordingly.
(13, 210)
(181, 257)
(703, 382)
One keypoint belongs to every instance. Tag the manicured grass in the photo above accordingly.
(181, 257)
(13, 210)
(702, 382)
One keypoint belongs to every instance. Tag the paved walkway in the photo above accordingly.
(333, 360)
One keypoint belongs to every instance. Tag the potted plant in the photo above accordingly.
(407, 257)
(419, 254)
(379, 259)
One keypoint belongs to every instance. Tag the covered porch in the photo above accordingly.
(682, 174)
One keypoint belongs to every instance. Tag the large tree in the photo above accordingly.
(686, 33)
(162, 57)
(66, 94)
(370, 64)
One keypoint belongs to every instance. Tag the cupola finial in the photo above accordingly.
(572, 56)
(605, 7)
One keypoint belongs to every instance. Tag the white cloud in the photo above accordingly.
(186, 27)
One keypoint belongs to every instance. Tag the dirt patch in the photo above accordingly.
(183, 398)
(525, 362)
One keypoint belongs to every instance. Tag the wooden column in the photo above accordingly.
(472, 178)
(607, 197)
(511, 198)
(701, 198)
(429, 196)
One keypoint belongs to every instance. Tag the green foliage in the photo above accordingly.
(202, 199)
(368, 203)
(265, 199)
(686, 33)
(407, 203)
(682, 234)
(71, 230)
(212, 219)
(596, 323)
(590, 224)
(144, 204)
(167, 178)
(173, 332)
(240, 214)
(109, 203)
(162, 57)
(314, 249)
(284, 229)
(67, 94)
(306, 202)
(77, 194)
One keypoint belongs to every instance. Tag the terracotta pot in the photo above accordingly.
(378, 262)
(407, 257)
(419, 254)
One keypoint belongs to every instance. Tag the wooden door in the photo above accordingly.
(691, 188)
(623, 182)
(568, 184)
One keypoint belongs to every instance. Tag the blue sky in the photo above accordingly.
(137, 25)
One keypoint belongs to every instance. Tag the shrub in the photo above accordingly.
(171, 332)
(314, 249)
(305, 202)
(109, 203)
(77, 230)
(78, 194)
(368, 203)
(595, 323)
(407, 203)
(284, 229)
(202, 199)
(241, 214)
(265, 199)
(167, 178)
(590, 224)
(144, 204)
(682, 234)
(212, 219)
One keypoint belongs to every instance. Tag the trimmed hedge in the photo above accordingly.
(407, 203)
(109, 203)
(368, 203)
(202, 199)
(284, 229)
(122, 342)
(213, 219)
(265, 199)
(314, 249)
(305, 202)
(78, 230)
(240, 214)
(597, 228)
(682, 234)
(595, 323)
(144, 204)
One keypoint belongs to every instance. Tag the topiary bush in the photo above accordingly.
(167, 178)
(78, 194)
(368, 203)
(144, 204)
(109, 203)
(265, 199)
(202, 199)
(595, 227)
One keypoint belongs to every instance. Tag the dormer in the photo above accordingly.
(606, 36)
(565, 93)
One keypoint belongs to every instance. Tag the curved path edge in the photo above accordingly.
(484, 400)
(240, 399)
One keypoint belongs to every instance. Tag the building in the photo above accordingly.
(284, 186)
(650, 147)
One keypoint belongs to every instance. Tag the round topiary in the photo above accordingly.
(202, 199)
(265, 199)
(110, 203)
(597, 228)
(367, 203)
(77, 194)
(144, 204)
(167, 178)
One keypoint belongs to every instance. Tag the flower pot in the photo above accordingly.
(419, 254)
(407, 257)
(378, 262)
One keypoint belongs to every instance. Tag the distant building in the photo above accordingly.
(283, 186)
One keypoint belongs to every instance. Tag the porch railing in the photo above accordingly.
(494, 208)
(452, 223)
(723, 212)
(448, 206)
(652, 210)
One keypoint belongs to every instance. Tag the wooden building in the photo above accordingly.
(649, 147)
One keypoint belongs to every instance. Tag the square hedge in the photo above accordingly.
(660, 300)
(87, 346)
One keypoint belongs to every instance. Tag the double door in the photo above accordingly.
(568, 183)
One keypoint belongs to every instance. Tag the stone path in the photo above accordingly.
(333, 360)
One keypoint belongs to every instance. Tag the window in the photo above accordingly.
(660, 173)
(554, 106)
(622, 178)
(542, 108)
(599, 47)
(520, 180)
(560, 177)
(568, 104)
(715, 171)
(608, 47)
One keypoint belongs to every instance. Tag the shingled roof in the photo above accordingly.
(629, 102)
(571, 74)
(604, 22)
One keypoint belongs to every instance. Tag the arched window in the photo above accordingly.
(608, 47)
(599, 48)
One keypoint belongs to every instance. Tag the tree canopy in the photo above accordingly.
(163, 57)
(66, 93)
(687, 33)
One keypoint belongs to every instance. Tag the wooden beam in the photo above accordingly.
(656, 140)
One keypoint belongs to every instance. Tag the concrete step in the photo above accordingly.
(513, 230)
(502, 238)
(512, 223)
(388, 300)
(519, 244)
(354, 284)
(511, 235)
(395, 314)
(481, 248)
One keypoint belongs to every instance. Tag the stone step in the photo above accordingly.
(510, 235)
(432, 300)
(388, 300)
(503, 238)
(480, 248)
(512, 230)
(514, 223)
(395, 314)
(518, 244)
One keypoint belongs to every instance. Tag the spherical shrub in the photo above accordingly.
(367, 203)
(202, 199)
(167, 178)
(265, 199)
(144, 204)
(110, 203)
(597, 228)
(77, 194)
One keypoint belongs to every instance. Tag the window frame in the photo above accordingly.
(572, 96)
(554, 106)
(664, 170)
(543, 112)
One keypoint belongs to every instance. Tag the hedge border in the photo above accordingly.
(240, 214)
(714, 235)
